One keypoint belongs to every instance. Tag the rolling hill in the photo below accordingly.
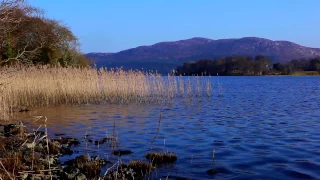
(165, 56)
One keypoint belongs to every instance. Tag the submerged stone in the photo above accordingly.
(7, 129)
(211, 171)
(1, 129)
(24, 109)
(66, 141)
(13, 129)
(102, 141)
(121, 152)
(60, 134)
(176, 177)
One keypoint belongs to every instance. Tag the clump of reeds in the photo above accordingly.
(139, 166)
(49, 86)
(90, 167)
(4, 106)
(132, 170)
(160, 158)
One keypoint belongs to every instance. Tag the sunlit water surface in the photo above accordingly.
(257, 128)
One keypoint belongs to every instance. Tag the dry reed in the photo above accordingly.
(49, 86)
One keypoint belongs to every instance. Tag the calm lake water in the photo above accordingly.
(258, 128)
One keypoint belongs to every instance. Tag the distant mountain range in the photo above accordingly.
(165, 56)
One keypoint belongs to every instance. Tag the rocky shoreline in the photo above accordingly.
(33, 155)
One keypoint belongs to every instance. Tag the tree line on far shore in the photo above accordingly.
(27, 37)
(248, 66)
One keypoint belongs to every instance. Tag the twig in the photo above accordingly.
(47, 140)
(105, 174)
(158, 130)
(5, 170)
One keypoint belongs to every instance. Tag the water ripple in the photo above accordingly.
(261, 128)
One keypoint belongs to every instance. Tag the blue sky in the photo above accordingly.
(115, 25)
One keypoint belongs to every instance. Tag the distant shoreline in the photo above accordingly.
(300, 73)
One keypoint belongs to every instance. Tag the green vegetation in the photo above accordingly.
(27, 37)
(249, 66)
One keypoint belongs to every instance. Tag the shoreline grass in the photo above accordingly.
(42, 86)
(159, 158)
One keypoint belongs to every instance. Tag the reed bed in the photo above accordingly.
(35, 86)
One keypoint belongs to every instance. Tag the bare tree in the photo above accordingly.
(8, 21)
(13, 15)
(27, 37)
(67, 43)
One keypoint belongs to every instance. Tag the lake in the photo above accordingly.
(255, 128)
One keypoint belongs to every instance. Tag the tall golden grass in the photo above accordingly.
(49, 86)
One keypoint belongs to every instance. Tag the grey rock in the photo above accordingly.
(81, 177)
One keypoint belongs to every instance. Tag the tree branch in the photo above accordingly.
(23, 55)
